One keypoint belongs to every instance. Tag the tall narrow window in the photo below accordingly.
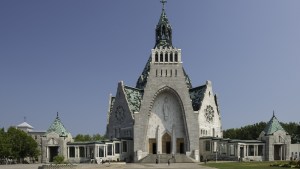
(207, 145)
(101, 151)
(117, 148)
(161, 57)
(156, 73)
(166, 57)
(171, 72)
(176, 57)
(160, 73)
(124, 145)
(156, 57)
(109, 149)
(260, 150)
(175, 72)
(72, 152)
(81, 152)
(166, 73)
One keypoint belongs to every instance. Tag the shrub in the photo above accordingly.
(59, 159)
(292, 162)
(298, 164)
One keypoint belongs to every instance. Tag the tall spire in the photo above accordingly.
(163, 29)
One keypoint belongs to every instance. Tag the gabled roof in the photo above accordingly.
(25, 125)
(134, 97)
(58, 128)
(197, 95)
(272, 126)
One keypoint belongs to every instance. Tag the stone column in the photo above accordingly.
(173, 140)
(158, 141)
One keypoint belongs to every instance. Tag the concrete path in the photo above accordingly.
(115, 166)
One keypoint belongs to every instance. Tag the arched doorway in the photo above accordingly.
(166, 143)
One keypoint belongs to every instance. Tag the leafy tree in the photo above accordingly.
(86, 137)
(252, 132)
(249, 132)
(22, 145)
(5, 147)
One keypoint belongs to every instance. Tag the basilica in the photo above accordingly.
(163, 117)
(164, 113)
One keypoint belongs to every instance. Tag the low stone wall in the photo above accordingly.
(58, 166)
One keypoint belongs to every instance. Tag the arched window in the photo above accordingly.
(156, 57)
(166, 57)
(176, 57)
(161, 57)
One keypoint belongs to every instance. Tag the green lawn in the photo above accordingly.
(242, 165)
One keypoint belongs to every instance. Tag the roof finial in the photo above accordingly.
(24, 118)
(273, 113)
(163, 2)
(57, 114)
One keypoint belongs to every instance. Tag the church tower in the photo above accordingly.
(164, 114)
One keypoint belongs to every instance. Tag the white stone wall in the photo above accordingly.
(295, 151)
(205, 127)
(120, 127)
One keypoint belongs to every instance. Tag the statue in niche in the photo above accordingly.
(166, 108)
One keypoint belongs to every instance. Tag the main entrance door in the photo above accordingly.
(180, 145)
(166, 143)
(152, 146)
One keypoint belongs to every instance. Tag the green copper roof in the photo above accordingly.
(112, 102)
(58, 128)
(142, 81)
(134, 97)
(197, 95)
(273, 126)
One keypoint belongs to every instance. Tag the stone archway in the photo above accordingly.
(166, 143)
(166, 124)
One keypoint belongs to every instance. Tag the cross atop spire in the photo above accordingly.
(163, 2)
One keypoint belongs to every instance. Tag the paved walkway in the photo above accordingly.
(115, 166)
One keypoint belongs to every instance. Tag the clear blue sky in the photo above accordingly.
(68, 56)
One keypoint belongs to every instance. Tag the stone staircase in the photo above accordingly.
(163, 158)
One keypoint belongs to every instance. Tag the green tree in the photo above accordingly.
(22, 145)
(249, 132)
(252, 132)
(5, 146)
(87, 137)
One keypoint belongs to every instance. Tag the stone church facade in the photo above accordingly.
(164, 113)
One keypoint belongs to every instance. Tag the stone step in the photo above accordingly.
(164, 158)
